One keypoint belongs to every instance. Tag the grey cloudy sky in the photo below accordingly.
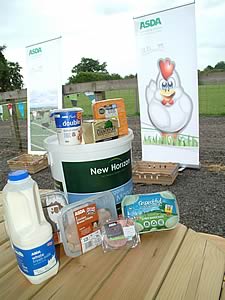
(101, 29)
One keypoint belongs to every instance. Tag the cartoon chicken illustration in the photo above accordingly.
(169, 107)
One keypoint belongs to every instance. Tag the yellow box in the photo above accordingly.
(95, 131)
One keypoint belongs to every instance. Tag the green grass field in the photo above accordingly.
(211, 101)
(85, 103)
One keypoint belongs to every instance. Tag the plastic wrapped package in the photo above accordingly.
(80, 222)
(151, 212)
(118, 234)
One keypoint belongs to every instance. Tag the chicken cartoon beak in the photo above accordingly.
(167, 97)
(167, 93)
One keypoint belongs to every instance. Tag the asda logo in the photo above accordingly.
(35, 51)
(150, 23)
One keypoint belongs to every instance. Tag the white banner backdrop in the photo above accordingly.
(44, 91)
(168, 86)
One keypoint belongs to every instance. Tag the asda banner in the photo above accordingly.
(44, 91)
(168, 86)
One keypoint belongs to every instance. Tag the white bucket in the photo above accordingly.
(84, 170)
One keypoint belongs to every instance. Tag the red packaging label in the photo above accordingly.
(87, 225)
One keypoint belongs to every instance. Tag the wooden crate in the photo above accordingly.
(154, 172)
(32, 163)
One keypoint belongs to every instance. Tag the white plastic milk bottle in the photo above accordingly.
(30, 233)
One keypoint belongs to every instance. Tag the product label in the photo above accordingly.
(99, 175)
(114, 231)
(105, 129)
(111, 110)
(38, 260)
(69, 136)
(68, 119)
(87, 225)
(129, 232)
(152, 212)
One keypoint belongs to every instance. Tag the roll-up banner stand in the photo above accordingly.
(168, 86)
(44, 91)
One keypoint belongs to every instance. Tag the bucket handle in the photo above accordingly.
(50, 160)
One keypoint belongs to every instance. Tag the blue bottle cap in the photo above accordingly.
(18, 175)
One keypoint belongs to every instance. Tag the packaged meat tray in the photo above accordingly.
(118, 234)
(80, 222)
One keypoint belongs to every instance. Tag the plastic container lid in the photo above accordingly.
(18, 175)
(64, 110)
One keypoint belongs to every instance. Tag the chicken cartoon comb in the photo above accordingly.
(166, 67)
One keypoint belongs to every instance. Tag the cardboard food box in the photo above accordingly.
(32, 163)
(154, 172)
(95, 131)
(110, 108)
(52, 203)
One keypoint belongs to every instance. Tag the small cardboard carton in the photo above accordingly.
(95, 131)
(32, 163)
(150, 172)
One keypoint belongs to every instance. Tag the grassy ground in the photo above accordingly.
(211, 101)
(84, 102)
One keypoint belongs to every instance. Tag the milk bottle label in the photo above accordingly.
(38, 260)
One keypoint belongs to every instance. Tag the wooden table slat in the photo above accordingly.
(13, 285)
(217, 240)
(184, 280)
(175, 264)
(212, 273)
(222, 296)
(183, 267)
(144, 268)
(83, 276)
(7, 258)
(3, 234)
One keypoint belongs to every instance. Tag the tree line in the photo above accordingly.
(219, 67)
(92, 70)
(87, 70)
(10, 77)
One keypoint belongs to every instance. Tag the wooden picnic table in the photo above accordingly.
(175, 264)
